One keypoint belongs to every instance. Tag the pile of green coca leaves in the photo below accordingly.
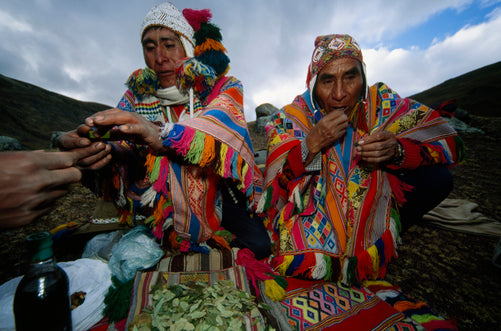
(198, 306)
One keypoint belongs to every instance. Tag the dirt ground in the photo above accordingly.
(451, 271)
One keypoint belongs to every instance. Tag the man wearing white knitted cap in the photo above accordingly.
(183, 118)
(166, 38)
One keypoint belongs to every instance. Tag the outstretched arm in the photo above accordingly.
(31, 182)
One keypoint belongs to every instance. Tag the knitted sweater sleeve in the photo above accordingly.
(426, 138)
(448, 151)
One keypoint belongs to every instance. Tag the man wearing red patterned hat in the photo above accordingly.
(348, 165)
(183, 118)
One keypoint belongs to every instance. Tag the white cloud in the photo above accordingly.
(9, 22)
(86, 50)
(412, 71)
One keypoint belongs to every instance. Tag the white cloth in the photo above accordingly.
(171, 96)
(459, 215)
(87, 275)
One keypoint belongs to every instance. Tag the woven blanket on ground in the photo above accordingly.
(320, 305)
(145, 281)
(217, 259)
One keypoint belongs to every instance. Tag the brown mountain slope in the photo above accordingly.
(476, 91)
(30, 114)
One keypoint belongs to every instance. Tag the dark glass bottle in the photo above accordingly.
(42, 299)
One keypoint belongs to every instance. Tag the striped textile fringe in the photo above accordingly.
(201, 149)
(370, 264)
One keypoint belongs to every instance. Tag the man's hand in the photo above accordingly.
(95, 155)
(126, 125)
(31, 182)
(379, 147)
(329, 129)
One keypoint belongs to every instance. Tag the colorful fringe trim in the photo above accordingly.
(275, 286)
(370, 264)
(202, 149)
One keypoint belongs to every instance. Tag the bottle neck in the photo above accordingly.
(47, 265)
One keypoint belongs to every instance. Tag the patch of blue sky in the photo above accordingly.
(442, 25)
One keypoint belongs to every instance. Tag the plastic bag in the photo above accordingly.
(100, 246)
(137, 250)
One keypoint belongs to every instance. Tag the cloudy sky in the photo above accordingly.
(87, 49)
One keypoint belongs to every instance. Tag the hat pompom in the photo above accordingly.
(143, 82)
(197, 17)
(206, 31)
(216, 59)
(192, 73)
(208, 50)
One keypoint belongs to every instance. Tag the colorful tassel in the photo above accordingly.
(364, 266)
(440, 325)
(191, 73)
(160, 185)
(328, 267)
(374, 256)
(319, 268)
(206, 31)
(398, 187)
(143, 82)
(275, 286)
(155, 169)
(217, 60)
(209, 44)
(196, 17)
(195, 151)
(460, 149)
(295, 263)
(150, 161)
(234, 168)
(227, 162)
(284, 265)
(307, 260)
(425, 318)
(180, 139)
(208, 152)
(117, 299)
(273, 290)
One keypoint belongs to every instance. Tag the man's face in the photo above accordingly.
(339, 85)
(162, 49)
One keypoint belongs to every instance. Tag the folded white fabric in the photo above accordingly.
(86, 275)
(460, 215)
